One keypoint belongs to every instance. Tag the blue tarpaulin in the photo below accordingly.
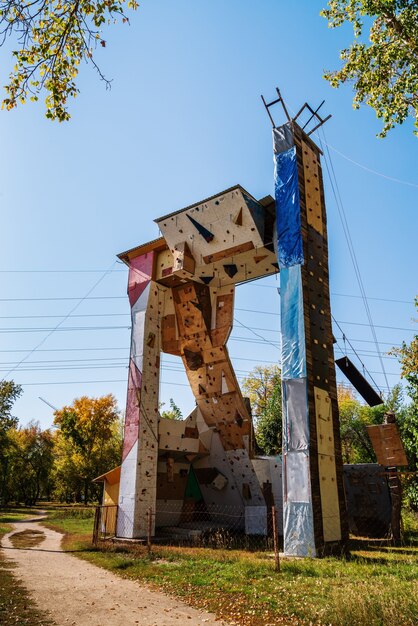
(292, 324)
(290, 251)
(298, 529)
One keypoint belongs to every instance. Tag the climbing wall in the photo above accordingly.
(181, 290)
(313, 498)
(140, 444)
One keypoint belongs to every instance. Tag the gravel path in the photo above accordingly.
(72, 591)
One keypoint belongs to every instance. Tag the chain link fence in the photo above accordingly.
(217, 526)
(257, 529)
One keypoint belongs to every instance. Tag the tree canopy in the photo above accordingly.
(263, 387)
(173, 413)
(383, 66)
(31, 459)
(9, 393)
(54, 37)
(85, 443)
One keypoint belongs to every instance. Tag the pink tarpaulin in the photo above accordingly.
(140, 272)
(132, 409)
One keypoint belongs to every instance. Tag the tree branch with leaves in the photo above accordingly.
(54, 37)
(264, 389)
(383, 65)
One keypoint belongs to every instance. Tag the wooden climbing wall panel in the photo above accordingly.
(140, 456)
(387, 445)
(221, 241)
(328, 502)
(149, 411)
(312, 188)
(326, 464)
(208, 367)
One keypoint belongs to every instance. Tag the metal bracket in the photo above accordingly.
(272, 103)
(314, 113)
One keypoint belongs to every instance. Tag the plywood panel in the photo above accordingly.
(207, 364)
(174, 490)
(217, 216)
(227, 252)
(224, 312)
(139, 479)
(169, 341)
(193, 309)
(214, 355)
(232, 435)
(244, 474)
(387, 445)
(324, 431)
(329, 498)
(164, 264)
(312, 188)
(183, 258)
(327, 468)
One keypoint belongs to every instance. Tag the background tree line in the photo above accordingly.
(58, 463)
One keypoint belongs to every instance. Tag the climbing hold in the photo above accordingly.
(206, 234)
(230, 269)
(238, 219)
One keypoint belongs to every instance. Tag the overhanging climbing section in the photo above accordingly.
(313, 497)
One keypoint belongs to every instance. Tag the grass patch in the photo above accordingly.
(16, 606)
(377, 586)
(71, 520)
(10, 515)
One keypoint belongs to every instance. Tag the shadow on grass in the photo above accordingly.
(124, 565)
(298, 568)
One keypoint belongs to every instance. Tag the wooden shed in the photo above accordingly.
(111, 482)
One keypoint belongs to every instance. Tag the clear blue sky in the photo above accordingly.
(183, 121)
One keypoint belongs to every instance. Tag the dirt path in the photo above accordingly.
(74, 592)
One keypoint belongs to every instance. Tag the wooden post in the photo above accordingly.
(395, 490)
(275, 540)
(96, 525)
(149, 526)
